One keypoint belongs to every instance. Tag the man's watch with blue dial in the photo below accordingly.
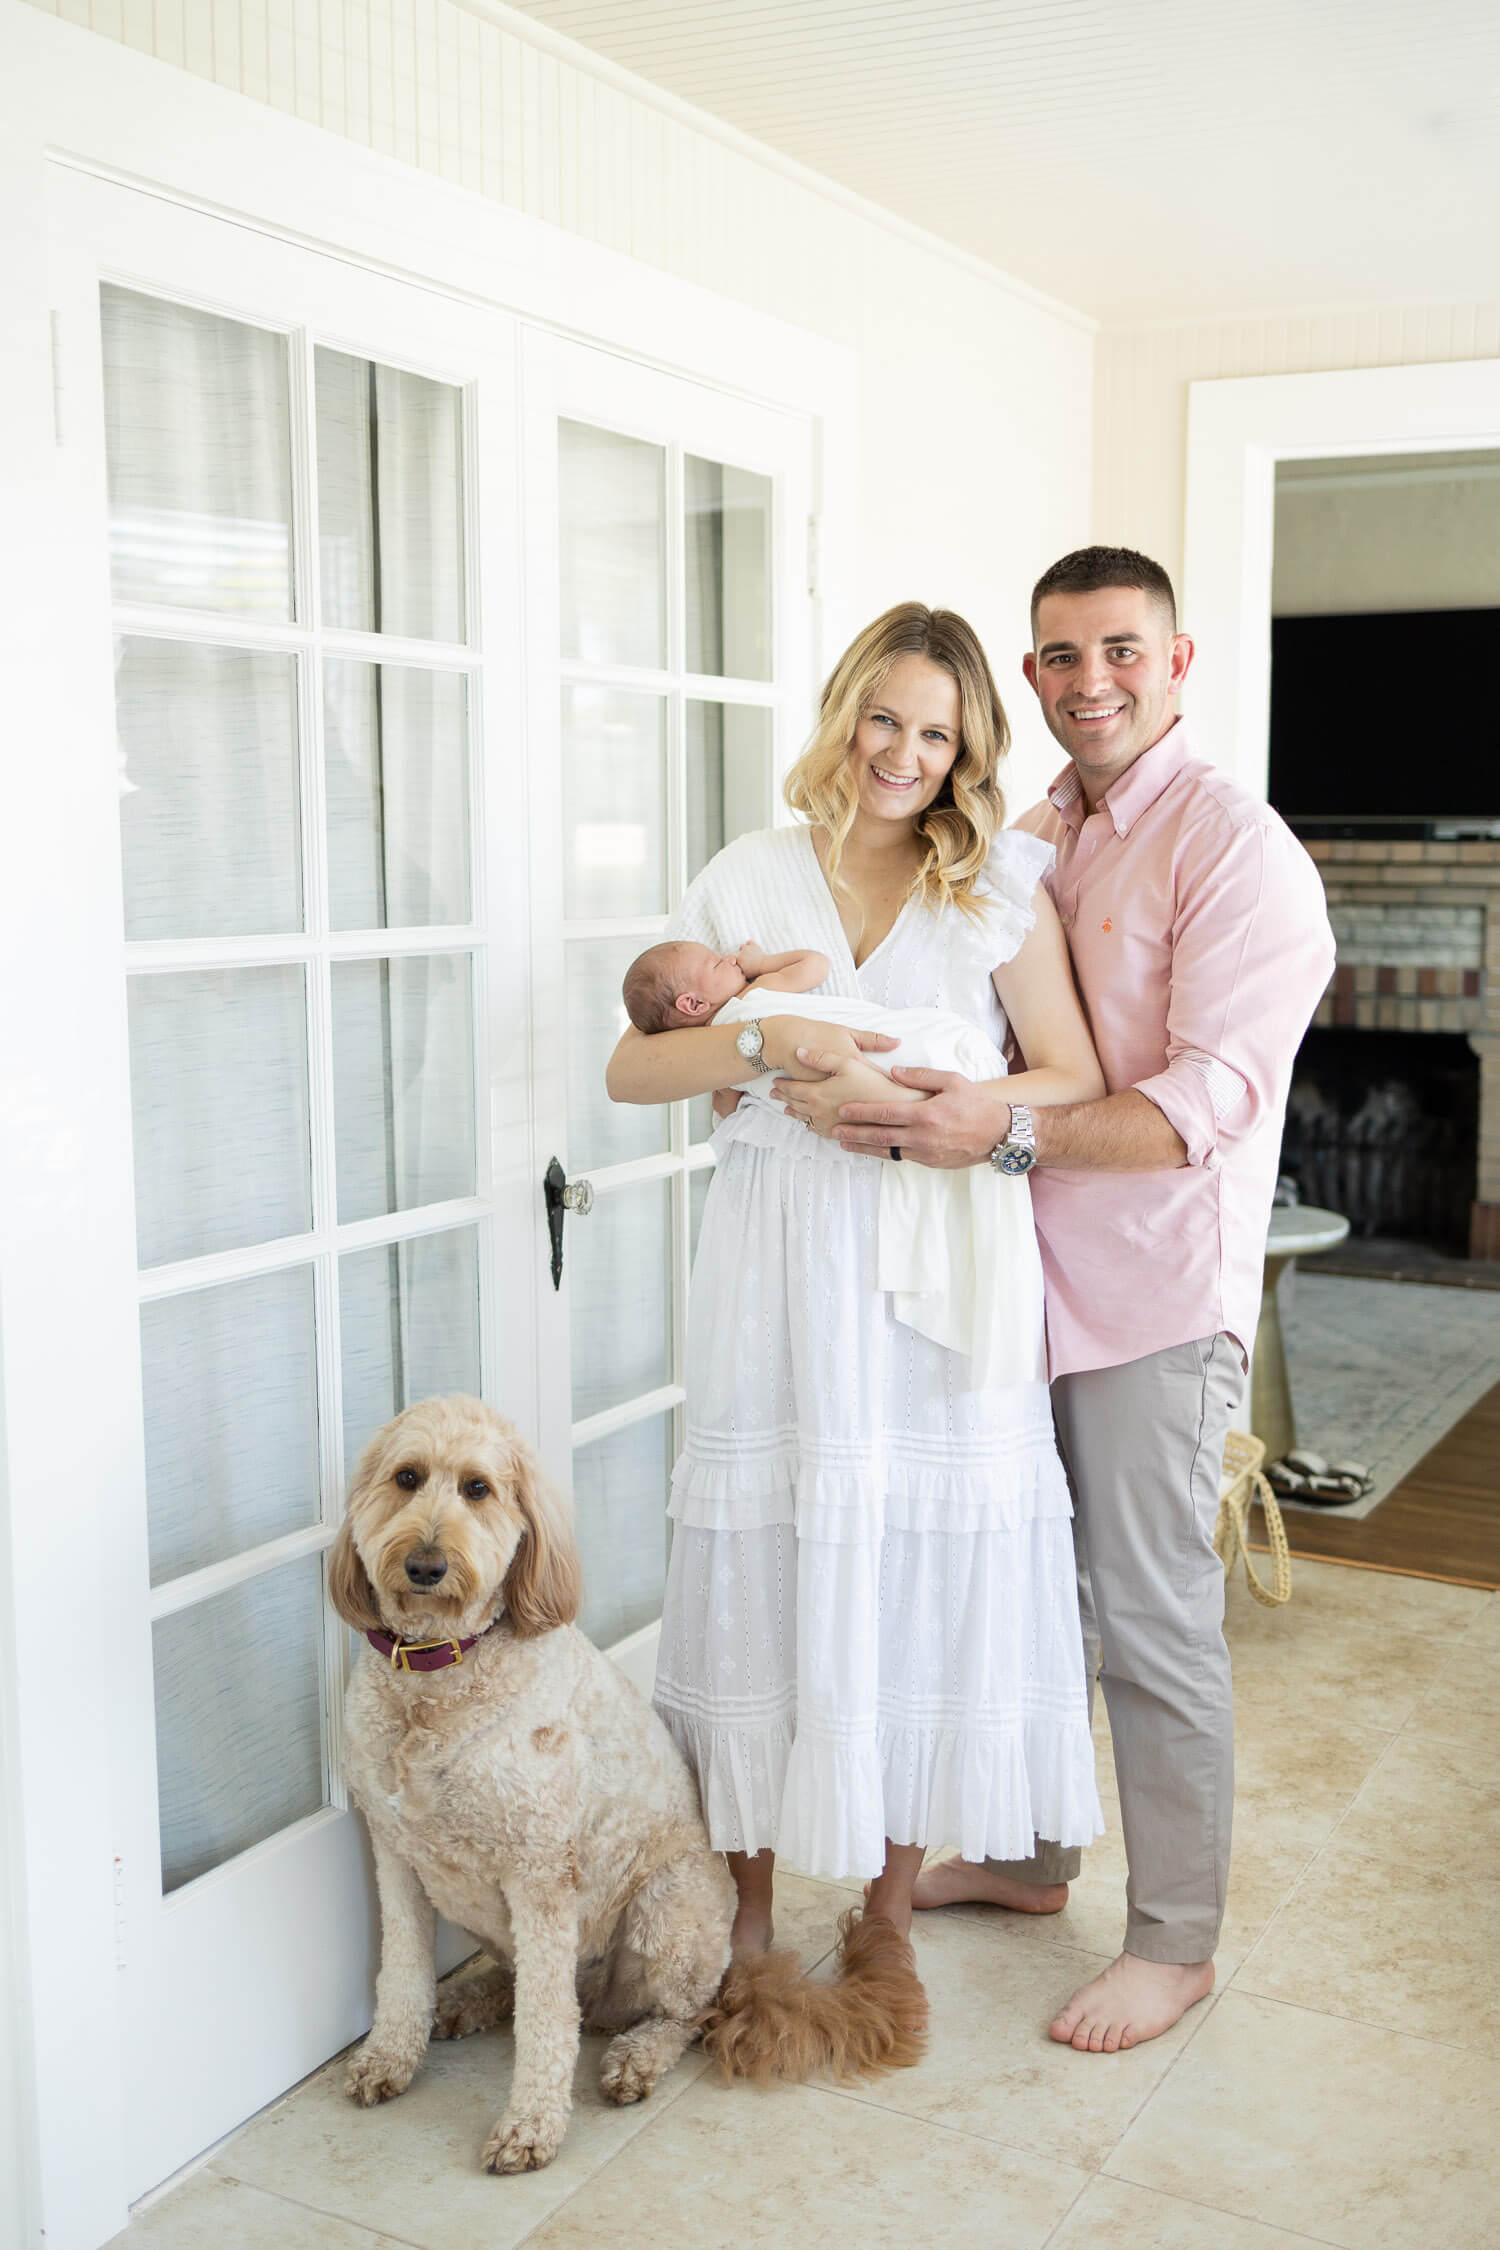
(1016, 1154)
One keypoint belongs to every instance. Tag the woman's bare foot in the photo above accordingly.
(753, 1932)
(889, 1896)
(965, 1882)
(1133, 2000)
(754, 1875)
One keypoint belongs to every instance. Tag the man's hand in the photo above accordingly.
(956, 1126)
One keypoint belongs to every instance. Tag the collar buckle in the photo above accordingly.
(405, 1650)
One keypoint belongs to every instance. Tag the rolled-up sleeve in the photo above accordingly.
(1252, 952)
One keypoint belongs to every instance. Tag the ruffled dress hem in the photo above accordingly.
(827, 1807)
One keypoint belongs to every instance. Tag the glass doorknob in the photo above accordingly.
(561, 1194)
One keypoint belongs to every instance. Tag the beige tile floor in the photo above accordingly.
(1338, 2088)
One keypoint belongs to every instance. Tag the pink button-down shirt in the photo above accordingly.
(1201, 945)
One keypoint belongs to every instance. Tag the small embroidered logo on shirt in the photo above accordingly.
(1106, 924)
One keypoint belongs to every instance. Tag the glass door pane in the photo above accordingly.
(728, 539)
(614, 748)
(729, 776)
(198, 432)
(218, 1068)
(210, 782)
(612, 499)
(390, 500)
(620, 1298)
(333, 1082)
(239, 1719)
(230, 1464)
(396, 761)
(667, 562)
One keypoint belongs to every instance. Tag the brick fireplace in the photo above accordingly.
(1418, 931)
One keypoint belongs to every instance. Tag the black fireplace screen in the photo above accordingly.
(1384, 1127)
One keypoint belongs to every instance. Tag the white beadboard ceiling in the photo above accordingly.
(1139, 159)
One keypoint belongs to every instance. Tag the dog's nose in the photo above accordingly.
(425, 1566)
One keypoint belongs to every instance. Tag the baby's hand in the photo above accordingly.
(751, 958)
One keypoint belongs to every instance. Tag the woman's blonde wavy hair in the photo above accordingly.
(961, 822)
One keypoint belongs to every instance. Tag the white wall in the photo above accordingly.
(976, 394)
(1141, 393)
(1398, 532)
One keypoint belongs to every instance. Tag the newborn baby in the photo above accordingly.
(674, 986)
(950, 1242)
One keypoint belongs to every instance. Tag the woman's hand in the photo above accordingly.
(829, 1075)
(783, 1036)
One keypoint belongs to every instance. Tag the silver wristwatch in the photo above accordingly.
(750, 1041)
(1016, 1154)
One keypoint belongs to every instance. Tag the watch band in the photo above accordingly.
(1016, 1154)
(754, 1054)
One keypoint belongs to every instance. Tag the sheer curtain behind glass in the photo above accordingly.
(202, 475)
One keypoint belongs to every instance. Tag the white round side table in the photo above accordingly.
(1295, 1232)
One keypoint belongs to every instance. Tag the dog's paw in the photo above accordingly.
(472, 2003)
(376, 2075)
(523, 2144)
(626, 2078)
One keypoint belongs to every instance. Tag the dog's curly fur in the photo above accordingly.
(533, 1797)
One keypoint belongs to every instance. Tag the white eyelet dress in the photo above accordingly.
(871, 1620)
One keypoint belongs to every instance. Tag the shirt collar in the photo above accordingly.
(1137, 788)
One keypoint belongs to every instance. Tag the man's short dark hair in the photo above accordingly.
(1088, 570)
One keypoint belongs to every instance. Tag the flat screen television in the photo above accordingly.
(1387, 721)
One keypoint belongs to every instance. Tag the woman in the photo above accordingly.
(870, 1643)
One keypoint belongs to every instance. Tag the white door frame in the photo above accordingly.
(67, 97)
(1237, 432)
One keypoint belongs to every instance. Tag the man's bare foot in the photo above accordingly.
(1132, 2001)
(753, 1932)
(963, 1882)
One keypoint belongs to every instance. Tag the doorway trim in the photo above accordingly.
(1237, 432)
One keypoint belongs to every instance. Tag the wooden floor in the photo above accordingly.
(1443, 1521)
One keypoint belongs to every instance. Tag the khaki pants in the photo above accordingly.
(1143, 1444)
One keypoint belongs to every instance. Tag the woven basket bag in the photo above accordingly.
(1239, 1487)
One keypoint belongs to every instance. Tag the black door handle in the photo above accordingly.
(561, 1194)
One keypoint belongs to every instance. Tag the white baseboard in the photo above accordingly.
(636, 1656)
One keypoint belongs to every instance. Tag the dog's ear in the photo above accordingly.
(349, 1587)
(543, 1583)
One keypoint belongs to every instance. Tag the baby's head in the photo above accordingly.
(674, 986)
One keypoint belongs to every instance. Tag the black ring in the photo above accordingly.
(895, 1154)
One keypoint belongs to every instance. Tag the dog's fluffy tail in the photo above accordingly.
(773, 2022)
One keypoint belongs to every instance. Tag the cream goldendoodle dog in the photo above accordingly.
(513, 1780)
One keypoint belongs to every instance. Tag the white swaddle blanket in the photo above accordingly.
(957, 1249)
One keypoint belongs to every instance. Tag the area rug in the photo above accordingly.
(1381, 1370)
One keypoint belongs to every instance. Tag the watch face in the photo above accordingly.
(1016, 1161)
(750, 1041)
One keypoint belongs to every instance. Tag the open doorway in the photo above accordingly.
(1385, 586)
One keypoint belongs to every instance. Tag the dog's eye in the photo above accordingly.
(476, 1489)
(408, 1479)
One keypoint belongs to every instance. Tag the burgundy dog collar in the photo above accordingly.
(422, 1656)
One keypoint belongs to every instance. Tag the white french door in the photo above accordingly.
(373, 780)
(304, 479)
(670, 641)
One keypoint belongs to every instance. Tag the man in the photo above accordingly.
(1201, 945)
